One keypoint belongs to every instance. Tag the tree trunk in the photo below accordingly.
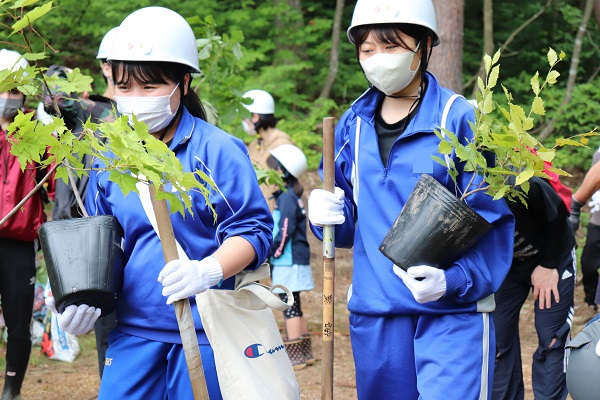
(488, 40)
(335, 48)
(587, 14)
(597, 11)
(446, 59)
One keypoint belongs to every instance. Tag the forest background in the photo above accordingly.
(298, 51)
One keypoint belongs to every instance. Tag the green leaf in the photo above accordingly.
(496, 56)
(560, 142)
(528, 123)
(524, 176)
(126, 182)
(487, 61)
(552, 77)
(552, 58)
(501, 192)
(444, 147)
(493, 79)
(488, 105)
(34, 56)
(31, 17)
(535, 83)
(537, 107)
(204, 53)
(23, 3)
(546, 155)
(439, 161)
(75, 82)
(562, 55)
(62, 173)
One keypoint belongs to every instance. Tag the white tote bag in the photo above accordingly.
(249, 352)
(250, 357)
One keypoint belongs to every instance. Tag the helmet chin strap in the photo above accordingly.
(164, 133)
(410, 96)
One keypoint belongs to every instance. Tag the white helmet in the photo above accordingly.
(263, 102)
(416, 12)
(583, 368)
(292, 159)
(156, 34)
(107, 43)
(10, 59)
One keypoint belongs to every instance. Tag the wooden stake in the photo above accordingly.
(328, 262)
(183, 310)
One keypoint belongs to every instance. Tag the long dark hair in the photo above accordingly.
(144, 72)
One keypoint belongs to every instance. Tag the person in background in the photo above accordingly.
(103, 52)
(153, 58)
(543, 261)
(263, 125)
(75, 111)
(106, 324)
(290, 254)
(590, 256)
(423, 333)
(18, 237)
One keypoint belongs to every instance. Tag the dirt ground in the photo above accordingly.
(57, 380)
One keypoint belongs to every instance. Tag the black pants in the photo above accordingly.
(17, 287)
(548, 373)
(102, 328)
(590, 262)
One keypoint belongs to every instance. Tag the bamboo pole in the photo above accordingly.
(328, 263)
(183, 310)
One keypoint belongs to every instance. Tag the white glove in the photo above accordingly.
(594, 202)
(185, 278)
(75, 320)
(326, 208)
(432, 285)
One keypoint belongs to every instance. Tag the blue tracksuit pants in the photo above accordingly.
(141, 369)
(423, 356)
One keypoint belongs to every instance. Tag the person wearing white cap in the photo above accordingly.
(290, 254)
(424, 333)
(263, 125)
(106, 324)
(103, 52)
(18, 237)
(153, 58)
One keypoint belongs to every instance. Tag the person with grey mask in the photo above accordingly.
(10, 103)
(18, 235)
(426, 332)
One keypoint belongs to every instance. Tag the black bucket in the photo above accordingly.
(84, 259)
(434, 228)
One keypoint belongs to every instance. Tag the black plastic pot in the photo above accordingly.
(434, 228)
(84, 260)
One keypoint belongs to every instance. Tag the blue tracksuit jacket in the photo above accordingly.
(374, 196)
(240, 207)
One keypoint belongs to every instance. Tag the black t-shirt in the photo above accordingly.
(388, 133)
(543, 235)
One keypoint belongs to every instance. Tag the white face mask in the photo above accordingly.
(154, 111)
(390, 73)
(9, 107)
(248, 127)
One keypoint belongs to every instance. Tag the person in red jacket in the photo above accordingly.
(18, 238)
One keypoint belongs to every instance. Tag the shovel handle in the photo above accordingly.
(328, 262)
(183, 310)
